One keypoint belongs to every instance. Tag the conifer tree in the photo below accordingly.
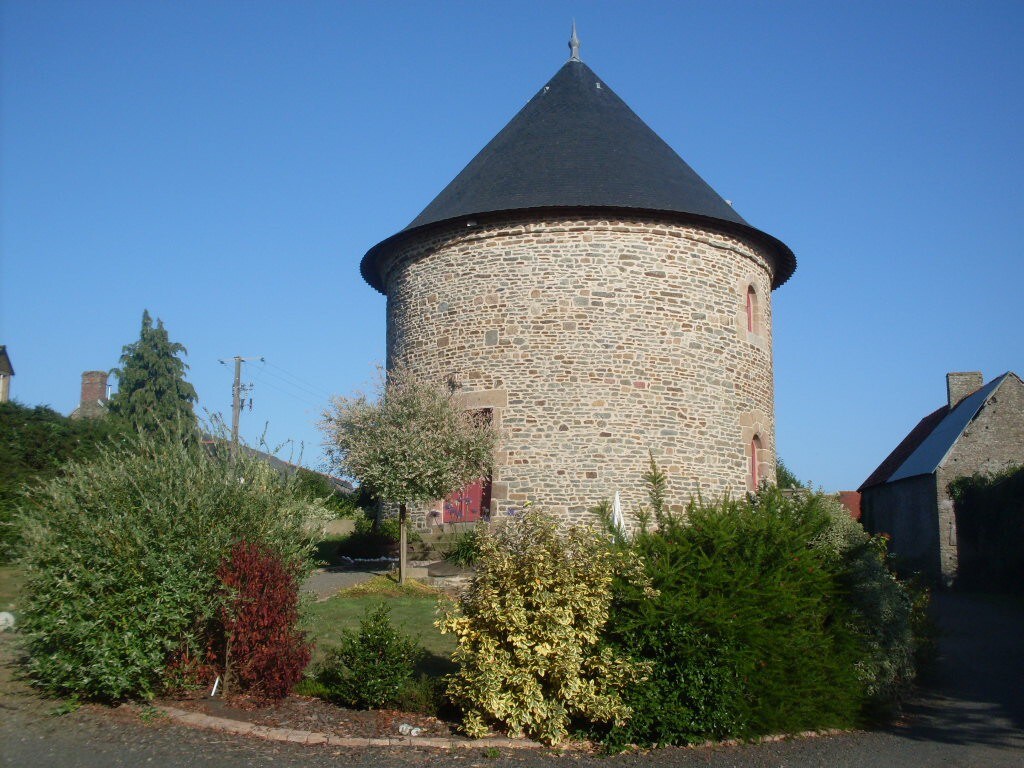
(152, 391)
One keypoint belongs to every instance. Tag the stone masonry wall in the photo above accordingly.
(991, 443)
(594, 341)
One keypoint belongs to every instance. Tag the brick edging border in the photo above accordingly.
(295, 736)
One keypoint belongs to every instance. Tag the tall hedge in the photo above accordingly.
(122, 556)
(749, 633)
(35, 443)
(990, 530)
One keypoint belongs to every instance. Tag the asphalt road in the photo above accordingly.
(972, 714)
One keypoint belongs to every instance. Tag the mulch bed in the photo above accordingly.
(307, 713)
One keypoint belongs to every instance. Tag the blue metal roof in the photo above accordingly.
(933, 449)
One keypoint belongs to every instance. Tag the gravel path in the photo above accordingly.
(972, 715)
(325, 582)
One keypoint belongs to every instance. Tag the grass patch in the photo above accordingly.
(11, 579)
(386, 585)
(413, 612)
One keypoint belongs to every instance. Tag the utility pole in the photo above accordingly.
(236, 400)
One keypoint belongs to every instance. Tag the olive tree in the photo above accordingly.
(410, 444)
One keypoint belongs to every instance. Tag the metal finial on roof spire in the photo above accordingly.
(574, 44)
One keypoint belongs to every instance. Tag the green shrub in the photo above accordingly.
(35, 443)
(122, 556)
(529, 629)
(464, 549)
(881, 607)
(424, 695)
(748, 635)
(371, 667)
(315, 487)
(385, 525)
(694, 693)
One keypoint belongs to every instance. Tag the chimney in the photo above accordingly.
(960, 385)
(94, 388)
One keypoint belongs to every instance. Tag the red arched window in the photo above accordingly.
(755, 469)
(751, 309)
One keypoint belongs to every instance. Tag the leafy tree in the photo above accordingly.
(412, 445)
(152, 391)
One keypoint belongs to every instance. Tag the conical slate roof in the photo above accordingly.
(577, 145)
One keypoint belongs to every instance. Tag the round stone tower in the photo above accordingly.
(584, 285)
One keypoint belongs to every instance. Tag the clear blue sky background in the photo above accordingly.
(227, 164)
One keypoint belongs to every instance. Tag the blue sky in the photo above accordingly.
(227, 164)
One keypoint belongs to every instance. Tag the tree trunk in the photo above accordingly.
(402, 544)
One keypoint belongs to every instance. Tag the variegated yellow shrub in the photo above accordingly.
(529, 631)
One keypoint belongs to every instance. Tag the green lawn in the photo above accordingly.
(11, 578)
(414, 615)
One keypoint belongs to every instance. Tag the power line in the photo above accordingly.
(299, 380)
(293, 395)
(319, 395)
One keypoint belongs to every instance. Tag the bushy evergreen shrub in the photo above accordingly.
(371, 667)
(881, 607)
(749, 633)
(264, 652)
(122, 556)
(529, 631)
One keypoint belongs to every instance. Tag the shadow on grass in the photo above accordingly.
(337, 551)
(435, 665)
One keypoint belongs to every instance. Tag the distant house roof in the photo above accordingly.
(577, 145)
(851, 500)
(212, 442)
(922, 451)
(6, 369)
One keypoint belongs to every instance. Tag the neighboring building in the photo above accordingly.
(93, 403)
(979, 430)
(580, 282)
(6, 372)
(851, 502)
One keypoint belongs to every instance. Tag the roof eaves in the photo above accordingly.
(906, 446)
(782, 255)
(933, 450)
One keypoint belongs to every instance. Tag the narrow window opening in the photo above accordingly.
(751, 309)
(755, 468)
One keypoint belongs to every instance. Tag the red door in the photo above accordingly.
(468, 504)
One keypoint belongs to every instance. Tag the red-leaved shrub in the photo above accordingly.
(264, 651)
